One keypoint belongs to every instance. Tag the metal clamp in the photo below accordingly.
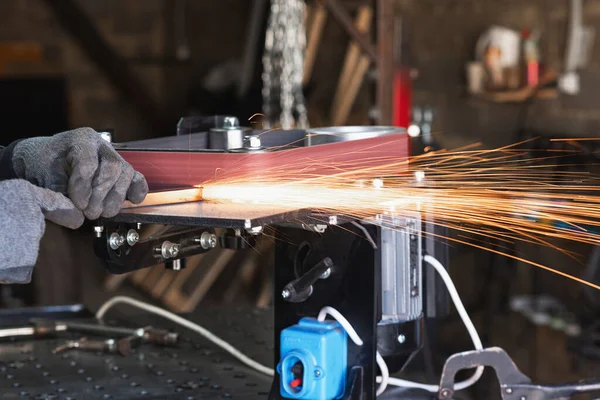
(513, 383)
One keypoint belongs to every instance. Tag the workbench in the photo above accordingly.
(196, 369)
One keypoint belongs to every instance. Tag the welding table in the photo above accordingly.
(196, 369)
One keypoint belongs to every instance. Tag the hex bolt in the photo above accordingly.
(401, 339)
(132, 237)
(285, 294)
(98, 229)
(115, 240)
(254, 141)
(169, 250)
(207, 240)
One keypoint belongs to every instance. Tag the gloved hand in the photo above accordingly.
(23, 207)
(82, 165)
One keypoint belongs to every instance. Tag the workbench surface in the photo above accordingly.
(195, 370)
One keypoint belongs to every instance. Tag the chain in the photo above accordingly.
(283, 63)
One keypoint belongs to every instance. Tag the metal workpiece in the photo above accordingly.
(335, 134)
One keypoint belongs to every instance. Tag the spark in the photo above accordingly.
(503, 194)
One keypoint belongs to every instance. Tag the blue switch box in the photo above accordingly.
(314, 358)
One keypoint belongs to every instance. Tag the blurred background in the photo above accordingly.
(454, 72)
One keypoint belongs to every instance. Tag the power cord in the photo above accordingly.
(468, 324)
(186, 324)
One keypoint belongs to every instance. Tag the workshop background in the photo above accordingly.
(137, 66)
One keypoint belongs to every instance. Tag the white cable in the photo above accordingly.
(468, 324)
(356, 339)
(343, 322)
(187, 324)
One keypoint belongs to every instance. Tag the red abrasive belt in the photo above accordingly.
(164, 169)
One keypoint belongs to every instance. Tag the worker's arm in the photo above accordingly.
(24, 208)
(83, 166)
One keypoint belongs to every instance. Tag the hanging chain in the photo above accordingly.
(283, 63)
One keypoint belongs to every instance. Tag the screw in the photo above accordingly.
(326, 274)
(207, 240)
(317, 373)
(333, 220)
(508, 390)
(169, 250)
(401, 338)
(115, 241)
(445, 393)
(132, 237)
(285, 294)
(98, 229)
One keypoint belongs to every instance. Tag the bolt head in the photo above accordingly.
(132, 237)
(115, 240)
(317, 373)
(285, 294)
(333, 220)
(508, 390)
(445, 393)
(326, 274)
(208, 240)
(401, 339)
(230, 122)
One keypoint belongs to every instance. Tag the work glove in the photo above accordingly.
(82, 165)
(23, 207)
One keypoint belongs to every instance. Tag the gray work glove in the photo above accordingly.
(82, 165)
(23, 207)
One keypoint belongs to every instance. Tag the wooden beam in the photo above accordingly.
(341, 15)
